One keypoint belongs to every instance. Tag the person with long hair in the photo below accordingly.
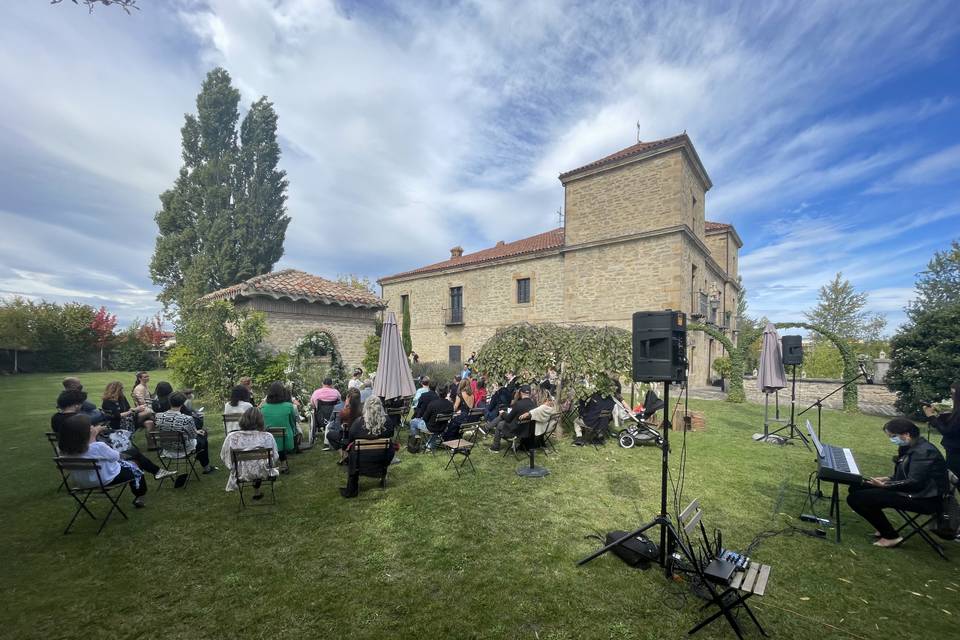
(237, 405)
(918, 483)
(77, 439)
(161, 397)
(251, 435)
(337, 434)
(279, 412)
(463, 404)
(141, 393)
(948, 426)
(121, 415)
(371, 425)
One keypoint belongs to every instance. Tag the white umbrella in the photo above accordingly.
(772, 375)
(393, 379)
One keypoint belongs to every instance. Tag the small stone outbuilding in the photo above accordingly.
(297, 303)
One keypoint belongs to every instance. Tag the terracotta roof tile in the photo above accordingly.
(623, 154)
(297, 285)
(534, 244)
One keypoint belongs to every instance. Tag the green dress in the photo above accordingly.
(281, 414)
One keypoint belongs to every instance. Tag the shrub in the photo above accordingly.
(371, 350)
(130, 353)
(723, 367)
(443, 372)
(925, 357)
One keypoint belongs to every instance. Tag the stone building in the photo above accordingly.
(634, 238)
(297, 303)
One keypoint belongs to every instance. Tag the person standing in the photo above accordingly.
(948, 426)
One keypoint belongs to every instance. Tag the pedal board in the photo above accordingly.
(720, 571)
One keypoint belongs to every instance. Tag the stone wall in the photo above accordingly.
(641, 196)
(287, 322)
(873, 398)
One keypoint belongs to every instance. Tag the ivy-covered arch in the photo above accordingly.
(735, 391)
(850, 369)
(316, 343)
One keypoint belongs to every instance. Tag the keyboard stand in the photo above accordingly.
(835, 509)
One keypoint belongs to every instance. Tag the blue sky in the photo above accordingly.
(831, 130)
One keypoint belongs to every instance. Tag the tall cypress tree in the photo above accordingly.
(224, 220)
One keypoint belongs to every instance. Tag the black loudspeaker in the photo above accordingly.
(792, 349)
(659, 346)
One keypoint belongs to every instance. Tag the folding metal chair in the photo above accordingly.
(231, 422)
(912, 526)
(172, 447)
(463, 445)
(280, 435)
(516, 441)
(602, 432)
(54, 440)
(370, 458)
(436, 429)
(727, 594)
(322, 417)
(239, 457)
(547, 436)
(67, 466)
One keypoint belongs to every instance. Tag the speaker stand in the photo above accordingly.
(793, 433)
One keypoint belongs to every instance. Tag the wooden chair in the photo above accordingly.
(370, 458)
(70, 466)
(280, 435)
(463, 445)
(231, 422)
(257, 455)
(172, 447)
(724, 594)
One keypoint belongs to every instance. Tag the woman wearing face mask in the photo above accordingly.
(918, 482)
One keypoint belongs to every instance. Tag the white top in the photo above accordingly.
(109, 460)
(541, 416)
(355, 383)
(238, 410)
(249, 469)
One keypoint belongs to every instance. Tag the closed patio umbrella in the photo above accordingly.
(393, 379)
(771, 376)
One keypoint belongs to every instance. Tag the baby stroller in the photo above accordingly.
(638, 430)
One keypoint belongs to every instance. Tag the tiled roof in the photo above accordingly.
(297, 285)
(623, 154)
(715, 226)
(534, 244)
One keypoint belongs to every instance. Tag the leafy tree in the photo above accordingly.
(217, 345)
(405, 328)
(152, 334)
(361, 283)
(841, 311)
(224, 220)
(15, 330)
(925, 352)
(939, 284)
(102, 327)
(126, 5)
(130, 352)
(371, 353)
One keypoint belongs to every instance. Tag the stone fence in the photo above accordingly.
(872, 398)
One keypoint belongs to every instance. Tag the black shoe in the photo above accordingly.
(492, 448)
(578, 442)
(138, 502)
(209, 470)
(347, 494)
(180, 481)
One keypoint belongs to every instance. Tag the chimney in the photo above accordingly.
(500, 243)
(456, 252)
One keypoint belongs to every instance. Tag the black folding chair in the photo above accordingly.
(54, 441)
(463, 445)
(370, 458)
(68, 466)
(280, 435)
(601, 432)
(172, 448)
(912, 524)
(727, 594)
(253, 456)
(322, 417)
(436, 429)
(519, 440)
(552, 423)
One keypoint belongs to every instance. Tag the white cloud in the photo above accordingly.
(940, 166)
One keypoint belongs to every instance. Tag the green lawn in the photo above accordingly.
(488, 556)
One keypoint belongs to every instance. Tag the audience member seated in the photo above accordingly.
(480, 392)
(366, 390)
(371, 425)
(247, 383)
(69, 403)
(591, 420)
(326, 394)
(143, 400)
(279, 412)
(502, 398)
(116, 408)
(236, 406)
(251, 435)
(417, 423)
(87, 408)
(436, 408)
(541, 414)
(356, 381)
(451, 390)
(918, 483)
(463, 404)
(161, 402)
(77, 439)
(508, 423)
(337, 430)
(422, 389)
(195, 439)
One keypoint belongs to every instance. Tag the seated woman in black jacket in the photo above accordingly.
(919, 481)
(372, 425)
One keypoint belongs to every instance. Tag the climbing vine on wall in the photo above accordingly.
(850, 369)
(303, 371)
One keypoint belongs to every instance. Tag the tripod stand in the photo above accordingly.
(668, 534)
(794, 432)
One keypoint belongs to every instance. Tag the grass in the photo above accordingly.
(488, 556)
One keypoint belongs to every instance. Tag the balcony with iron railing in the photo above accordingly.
(453, 316)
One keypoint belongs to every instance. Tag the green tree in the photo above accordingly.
(371, 353)
(224, 220)
(15, 330)
(405, 328)
(354, 281)
(925, 351)
(841, 310)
